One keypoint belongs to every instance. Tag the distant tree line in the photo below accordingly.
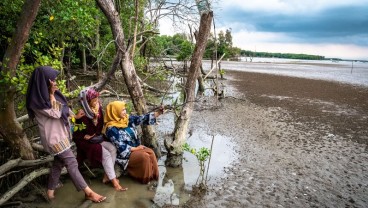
(181, 46)
(281, 55)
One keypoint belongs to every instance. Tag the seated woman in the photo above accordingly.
(139, 161)
(89, 141)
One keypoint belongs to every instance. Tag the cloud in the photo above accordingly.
(286, 6)
(330, 22)
(320, 27)
(297, 26)
(282, 43)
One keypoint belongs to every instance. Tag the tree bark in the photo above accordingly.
(130, 76)
(84, 61)
(10, 127)
(201, 86)
(174, 147)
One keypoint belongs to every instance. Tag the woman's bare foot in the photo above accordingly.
(94, 197)
(117, 186)
(50, 194)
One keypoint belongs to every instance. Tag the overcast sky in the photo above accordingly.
(331, 28)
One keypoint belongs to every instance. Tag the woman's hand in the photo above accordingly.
(88, 137)
(160, 111)
(79, 114)
(53, 87)
(140, 147)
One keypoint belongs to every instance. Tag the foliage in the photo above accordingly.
(127, 13)
(210, 48)
(222, 72)
(185, 52)
(159, 46)
(281, 55)
(76, 126)
(24, 71)
(9, 14)
(129, 107)
(69, 94)
(202, 156)
(177, 45)
(139, 62)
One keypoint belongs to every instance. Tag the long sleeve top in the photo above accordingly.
(54, 134)
(86, 149)
(126, 138)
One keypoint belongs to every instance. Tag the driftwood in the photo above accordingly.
(38, 147)
(23, 163)
(152, 89)
(22, 183)
(214, 66)
(22, 118)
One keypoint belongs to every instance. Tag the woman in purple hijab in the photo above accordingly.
(48, 106)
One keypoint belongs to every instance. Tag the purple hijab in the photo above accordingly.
(38, 96)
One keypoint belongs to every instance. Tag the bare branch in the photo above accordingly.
(216, 65)
(23, 163)
(22, 183)
(22, 118)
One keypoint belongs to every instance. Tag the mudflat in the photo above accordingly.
(299, 143)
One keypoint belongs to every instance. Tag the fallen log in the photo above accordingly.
(23, 163)
(22, 183)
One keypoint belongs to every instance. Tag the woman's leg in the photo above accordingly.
(71, 165)
(108, 164)
(54, 176)
(111, 148)
(112, 151)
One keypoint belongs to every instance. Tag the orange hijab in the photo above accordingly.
(112, 116)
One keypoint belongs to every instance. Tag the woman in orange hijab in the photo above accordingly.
(139, 161)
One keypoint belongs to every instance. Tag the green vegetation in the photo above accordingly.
(180, 47)
(223, 44)
(281, 55)
(202, 155)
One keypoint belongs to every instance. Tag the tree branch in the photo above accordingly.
(22, 183)
(23, 163)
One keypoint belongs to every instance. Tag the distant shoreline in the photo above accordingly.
(341, 72)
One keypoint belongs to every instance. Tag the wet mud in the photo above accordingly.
(278, 142)
(300, 143)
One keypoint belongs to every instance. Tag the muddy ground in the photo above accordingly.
(300, 143)
(297, 143)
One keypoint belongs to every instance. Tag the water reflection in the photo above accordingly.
(170, 188)
(222, 156)
(173, 187)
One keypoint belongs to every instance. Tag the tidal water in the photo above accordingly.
(174, 184)
(173, 187)
(348, 72)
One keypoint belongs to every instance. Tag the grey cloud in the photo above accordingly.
(332, 25)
